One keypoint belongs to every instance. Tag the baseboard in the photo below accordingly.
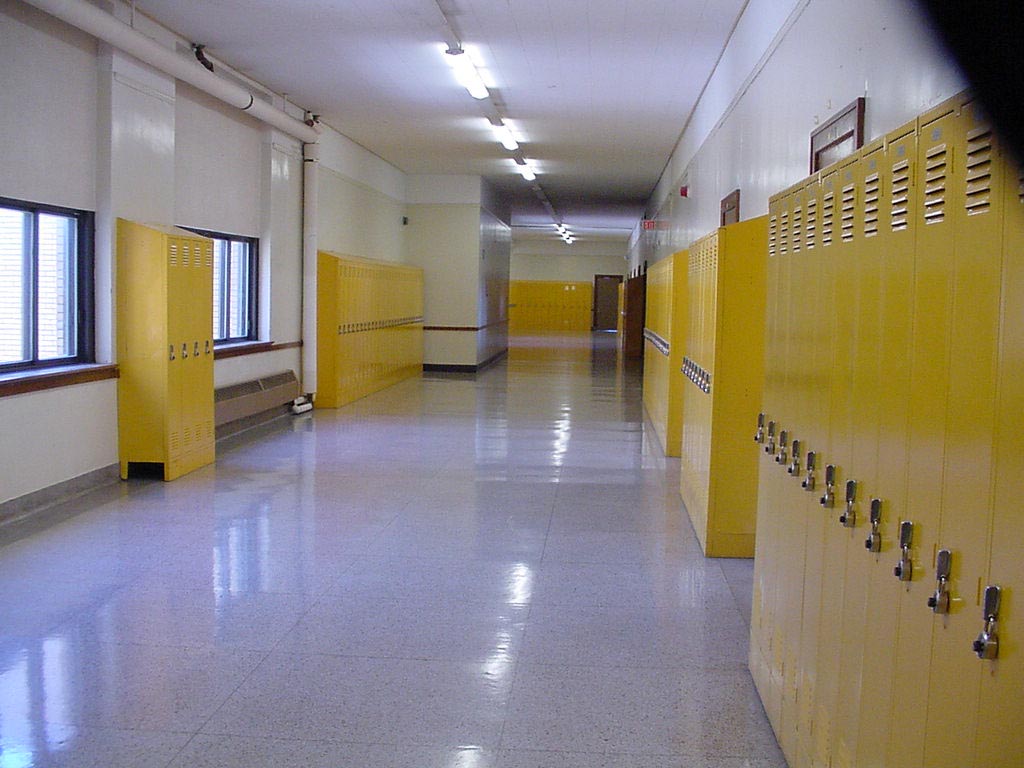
(31, 503)
(441, 368)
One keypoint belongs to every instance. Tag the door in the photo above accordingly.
(606, 302)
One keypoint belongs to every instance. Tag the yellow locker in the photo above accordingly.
(1000, 741)
(975, 201)
(664, 334)
(926, 419)
(165, 348)
(724, 350)
(895, 243)
(366, 311)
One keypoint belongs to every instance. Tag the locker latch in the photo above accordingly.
(849, 517)
(987, 644)
(172, 352)
(195, 350)
(794, 465)
(207, 346)
(184, 350)
(873, 543)
(812, 460)
(781, 456)
(770, 446)
(939, 601)
(829, 499)
(759, 435)
(904, 570)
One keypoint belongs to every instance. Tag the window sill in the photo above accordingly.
(225, 351)
(23, 382)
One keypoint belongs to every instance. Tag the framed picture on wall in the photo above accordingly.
(838, 138)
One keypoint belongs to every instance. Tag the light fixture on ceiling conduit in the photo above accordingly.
(465, 71)
(525, 169)
(503, 134)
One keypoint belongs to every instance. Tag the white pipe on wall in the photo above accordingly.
(310, 212)
(108, 28)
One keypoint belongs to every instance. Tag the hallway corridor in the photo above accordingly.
(456, 572)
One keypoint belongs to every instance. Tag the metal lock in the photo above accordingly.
(987, 644)
(904, 570)
(759, 435)
(829, 499)
(812, 460)
(781, 456)
(873, 543)
(849, 517)
(794, 465)
(769, 447)
(939, 601)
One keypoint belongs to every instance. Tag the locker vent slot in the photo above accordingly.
(979, 171)
(784, 233)
(811, 224)
(186, 254)
(871, 195)
(849, 200)
(172, 251)
(796, 230)
(175, 443)
(773, 233)
(900, 197)
(935, 172)
(828, 206)
(208, 255)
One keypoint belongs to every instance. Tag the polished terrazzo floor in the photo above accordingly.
(453, 573)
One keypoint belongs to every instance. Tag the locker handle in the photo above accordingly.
(873, 543)
(904, 570)
(849, 517)
(939, 601)
(172, 352)
(770, 446)
(828, 500)
(759, 435)
(987, 644)
(195, 350)
(794, 465)
(207, 346)
(184, 350)
(812, 460)
(781, 456)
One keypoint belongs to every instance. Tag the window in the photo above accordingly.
(234, 286)
(46, 256)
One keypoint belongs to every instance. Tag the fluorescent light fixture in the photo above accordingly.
(504, 135)
(527, 172)
(465, 72)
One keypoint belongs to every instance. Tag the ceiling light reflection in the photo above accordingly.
(520, 584)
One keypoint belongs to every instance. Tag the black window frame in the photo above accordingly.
(254, 285)
(85, 308)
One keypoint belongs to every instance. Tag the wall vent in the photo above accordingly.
(846, 216)
(811, 223)
(899, 200)
(828, 206)
(978, 198)
(871, 195)
(935, 174)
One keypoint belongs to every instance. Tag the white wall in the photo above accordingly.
(788, 68)
(573, 267)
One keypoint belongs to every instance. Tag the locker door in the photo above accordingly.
(841, 313)
(896, 246)
(970, 422)
(1000, 739)
(928, 407)
(178, 256)
(863, 292)
(787, 517)
(817, 291)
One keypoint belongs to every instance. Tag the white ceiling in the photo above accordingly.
(597, 92)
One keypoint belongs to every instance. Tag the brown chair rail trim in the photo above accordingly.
(26, 382)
